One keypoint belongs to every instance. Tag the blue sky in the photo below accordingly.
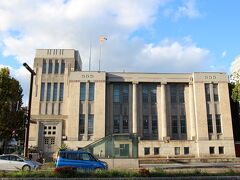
(143, 35)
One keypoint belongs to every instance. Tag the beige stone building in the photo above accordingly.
(123, 114)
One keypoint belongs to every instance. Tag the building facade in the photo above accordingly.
(119, 114)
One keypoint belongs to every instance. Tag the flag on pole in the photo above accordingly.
(101, 39)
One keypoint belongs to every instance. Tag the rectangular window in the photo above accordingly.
(91, 91)
(173, 92)
(186, 150)
(218, 123)
(61, 91)
(55, 86)
(48, 91)
(82, 91)
(116, 93)
(210, 124)
(125, 124)
(181, 94)
(62, 67)
(174, 125)
(146, 151)
(153, 93)
(82, 124)
(177, 150)
(183, 124)
(56, 67)
(207, 92)
(52, 108)
(90, 123)
(211, 150)
(156, 150)
(145, 125)
(154, 125)
(221, 149)
(42, 91)
(125, 93)
(145, 93)
(50, 67)
(116, 124)
(215, 92)
(44, 67)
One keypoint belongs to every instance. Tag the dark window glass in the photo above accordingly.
(144, 93)
(153, 93)
(4, 157)
(183, 124)
(177, 150)
(145, 124)
(82, 124)
(125, 124)
(173, 91)
(56, 67)
(44, 67)
(146, 151)
(82, 91)
(221, 150)
(116, 124)
(181, 94)
(174, 125)
(210, 124)
(116, 93)
(90, 123)
(207, 92)
(42, 91)
(218, 123)
(211, 150)
(50, 67)
(125, 93)
(61, 91)
(156, 151)
(91, 91)
(154, 125)
(215, 92)
(186, 150)
(55, 91)
(62, 67)
(48, 91)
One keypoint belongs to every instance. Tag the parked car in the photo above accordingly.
(12, 162)
(80, 160)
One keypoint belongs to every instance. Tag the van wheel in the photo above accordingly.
(26, 168)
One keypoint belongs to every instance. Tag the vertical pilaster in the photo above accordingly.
(192, 129)
(134, 106)
(163, 109)
(86, 112)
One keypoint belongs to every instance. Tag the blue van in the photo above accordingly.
(79, 159)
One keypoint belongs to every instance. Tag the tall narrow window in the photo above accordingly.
(82, 91)
(50, 67)
(62, 67)
(207, 92)
(82, 124)
(215, 92)
(55, 91)
(218, 123)
(183, 124)
(153, 93)
(125, 93)
(181, 94)
(116, 124)
(56, 67)
(90, 123)
(210, 124)
(48, 91)
(145, 93)
(174, 125)
(116, 93)
(91, 91)
(44, 67)
(145, 124)
(173, 92)
(154, 125)
(61, 91)
(42, 91)
(125, 124)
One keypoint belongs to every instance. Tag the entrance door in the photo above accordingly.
(49, 144)
(124, 150)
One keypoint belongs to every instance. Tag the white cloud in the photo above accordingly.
(224, 53)
(235, 65)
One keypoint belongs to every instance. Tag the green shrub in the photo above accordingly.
(144, 172)
(65, 171)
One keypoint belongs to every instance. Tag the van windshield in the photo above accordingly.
(77, 156)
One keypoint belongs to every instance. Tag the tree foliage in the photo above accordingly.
(235, 92)
(11, 113)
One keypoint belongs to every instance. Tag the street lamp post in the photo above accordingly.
(29, 110)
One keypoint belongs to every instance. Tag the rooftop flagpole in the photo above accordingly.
(101, 40)
(90, 55)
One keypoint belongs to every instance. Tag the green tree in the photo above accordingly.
(11, 113)
(235, 92)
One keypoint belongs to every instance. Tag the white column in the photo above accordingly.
(134, 108)
(163, 109)
(192, 130)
